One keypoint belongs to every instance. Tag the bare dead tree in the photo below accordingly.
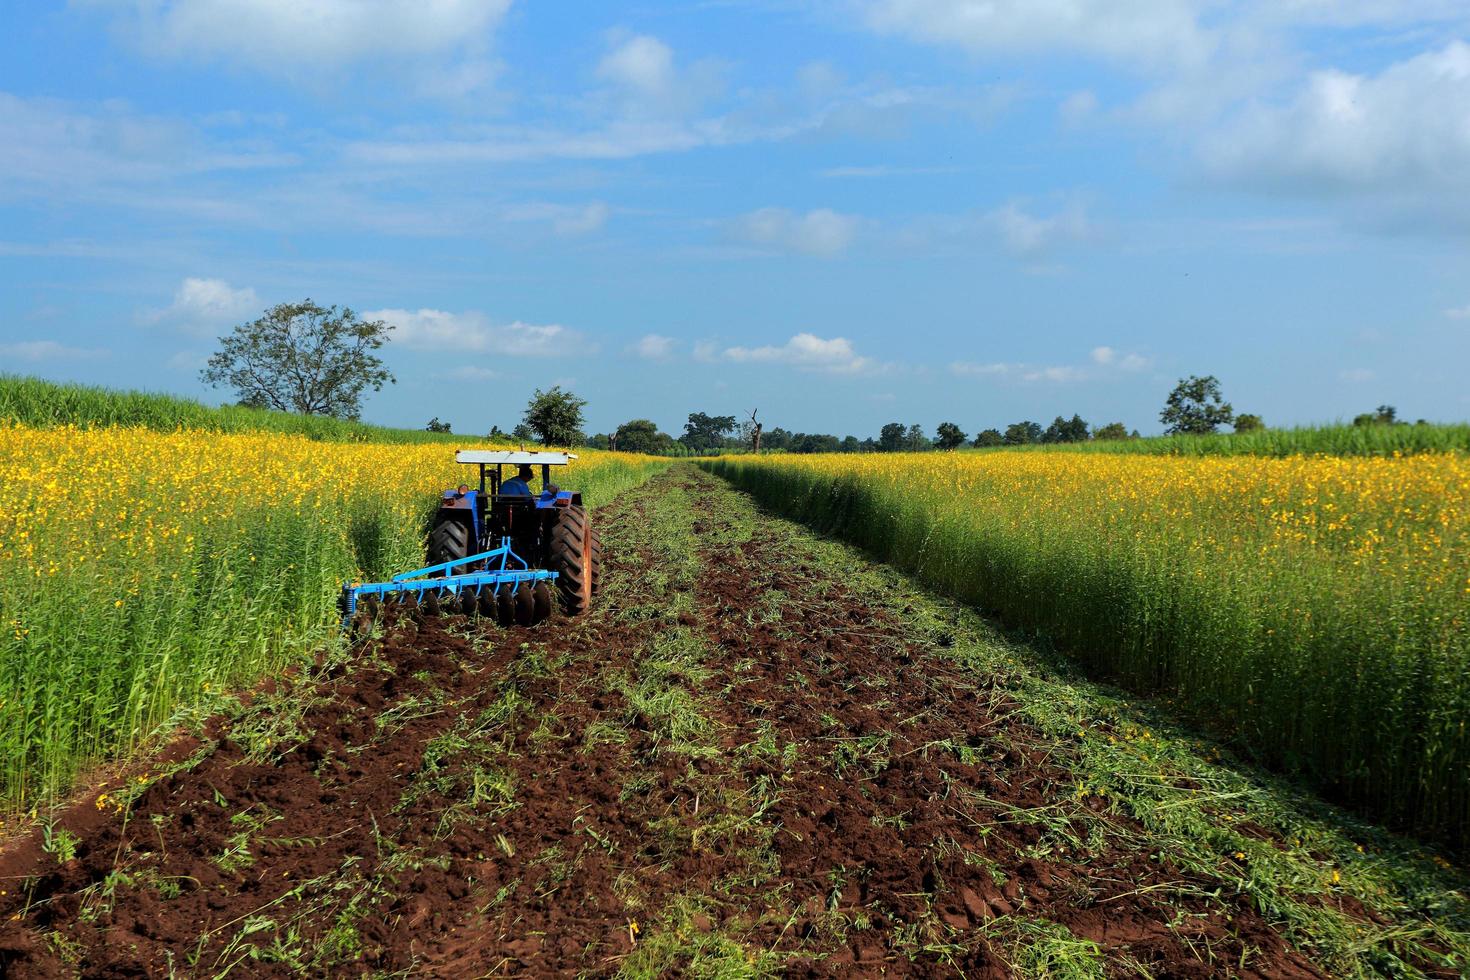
(755, 431)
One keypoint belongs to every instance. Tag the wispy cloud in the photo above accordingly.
(206, 306)
(654, 347)
(1104, 360)
(807, 352)
(471, 372)
(473, 332)
(1028, 233)
(1400, 131)
(1160, 34)
(822, 232)
(33, 351)
(883, 170)
(296, 40)
(564, 219)
(1109, 357)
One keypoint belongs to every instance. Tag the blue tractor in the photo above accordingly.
(498, 549)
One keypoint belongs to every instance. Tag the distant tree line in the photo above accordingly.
(555, 417)
(301, 357)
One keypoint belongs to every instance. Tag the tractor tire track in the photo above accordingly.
(931, 815)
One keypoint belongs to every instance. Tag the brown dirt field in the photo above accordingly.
(732, 761)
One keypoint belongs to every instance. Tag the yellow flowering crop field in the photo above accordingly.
(1316, 608)
(139, 569)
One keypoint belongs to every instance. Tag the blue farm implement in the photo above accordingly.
(501, 550)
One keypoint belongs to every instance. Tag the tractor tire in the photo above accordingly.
(571, 559)
(595, 537)
(448, 541)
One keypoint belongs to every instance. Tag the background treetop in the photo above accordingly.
(301, 357)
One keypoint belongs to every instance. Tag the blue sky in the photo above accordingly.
(843, 212)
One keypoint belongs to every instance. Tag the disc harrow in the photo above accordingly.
(496, 584)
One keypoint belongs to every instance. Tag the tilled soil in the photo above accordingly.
(733, 765)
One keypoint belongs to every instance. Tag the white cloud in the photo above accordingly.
(46, 350)
(292, 36)
(1460, 313)
(641, 63)
(471, 372)
(473, 332)
(654, 347)
(206, 307)
(806, 351)
(1403, 130)
(1024, 233)
(1360, 13)
(1142, 33)
(821, 232)
(568, 220)
(976, 370)
(706, 352)
(883, 170)
(1106, 358)
(50, 142)
(1078, 106)
(1356, 376)
(1109, 357)
(1061, 374)
(647, 82)
(819, 81)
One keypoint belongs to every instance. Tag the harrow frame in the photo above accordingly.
(414, 586)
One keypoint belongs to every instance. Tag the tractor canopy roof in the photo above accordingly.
(498, 457)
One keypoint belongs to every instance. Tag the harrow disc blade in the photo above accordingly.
(487, 602)
(505, 610)
(525, 605)
(540, 603)
(467, 601)
(431, 603)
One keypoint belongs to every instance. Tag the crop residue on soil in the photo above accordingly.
(732, 760)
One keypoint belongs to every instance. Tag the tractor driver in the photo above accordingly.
(518, 485)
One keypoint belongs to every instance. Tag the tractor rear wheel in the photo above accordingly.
(449, 541)
(571, 559)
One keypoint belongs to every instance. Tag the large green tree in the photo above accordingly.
(1021, 433)
(1066, 430)
(301, 357)
(1246, 422)
(705, 432)
(949, 436)
(892, 437)
(555, 417)
(1195, 407)
(988, 438)
(642, 436)
(1385, 415)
